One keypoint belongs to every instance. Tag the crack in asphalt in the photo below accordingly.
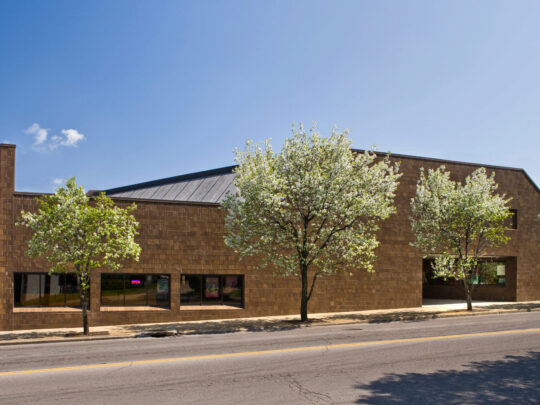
(312, 397)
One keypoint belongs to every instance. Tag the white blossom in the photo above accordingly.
(456, 223)
(312, 207)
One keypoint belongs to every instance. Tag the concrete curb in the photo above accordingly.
(35, 341)
(220, 328)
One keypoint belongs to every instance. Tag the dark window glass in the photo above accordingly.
(190, 289)
(43, 290)
(53, 293)
(28, 288)
(112, 289)
(211, 290)
(71, 290)
(232, 290)
(135, 290)
(158, 290)
(429, 275)
(17, 288)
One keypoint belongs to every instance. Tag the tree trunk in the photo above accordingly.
(304, 300)
(84, 304)
(468, 291)
(84, 287)
(469, 300)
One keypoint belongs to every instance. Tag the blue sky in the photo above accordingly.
(129, 91)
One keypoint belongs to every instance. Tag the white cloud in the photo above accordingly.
(40, 134)
(72, 137)
(58, 181)
(42, 142)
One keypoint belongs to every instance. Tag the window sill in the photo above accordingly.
(210, 308)
(132, 309)
(45, 309)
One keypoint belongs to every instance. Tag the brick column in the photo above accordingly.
(175, 292)
(7, 188)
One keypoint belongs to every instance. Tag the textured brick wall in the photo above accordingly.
(188, 238)
(7, 186)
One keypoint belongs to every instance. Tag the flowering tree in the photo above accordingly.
(78, 233)
(457, 223)
(311, 209)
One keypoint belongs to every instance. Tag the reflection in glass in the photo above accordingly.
(212, 291)
(198, 289)
(232, 290)
(44, 290)
(112, 289)
(71, 290)
(190, 289)
(158, 290)
(135, 290)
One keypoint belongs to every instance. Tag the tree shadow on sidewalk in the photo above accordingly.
(274, 325)
(525, 306)
(387, 317)
(271, 325)
(225, 326)
(44, 335)
(513, 380)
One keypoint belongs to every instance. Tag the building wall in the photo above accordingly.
(178, 237)
(7, 187)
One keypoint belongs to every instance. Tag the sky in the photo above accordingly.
(120, 92)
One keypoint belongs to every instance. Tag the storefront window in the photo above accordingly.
(198, 289)
(44, 290)
(135, 290)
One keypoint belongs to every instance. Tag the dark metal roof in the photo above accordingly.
(211, 186)
(208, 186)
(456, 162)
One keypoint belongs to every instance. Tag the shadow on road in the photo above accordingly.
(513, 380)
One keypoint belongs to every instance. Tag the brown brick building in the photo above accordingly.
(187, 273)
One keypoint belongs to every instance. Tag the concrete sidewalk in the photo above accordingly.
(430, 309)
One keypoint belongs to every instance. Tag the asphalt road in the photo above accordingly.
(476, 360)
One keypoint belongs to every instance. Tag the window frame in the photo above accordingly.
(202, 288)
(126, 276)
(439, 281)
(42, 292)
(480, 280)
